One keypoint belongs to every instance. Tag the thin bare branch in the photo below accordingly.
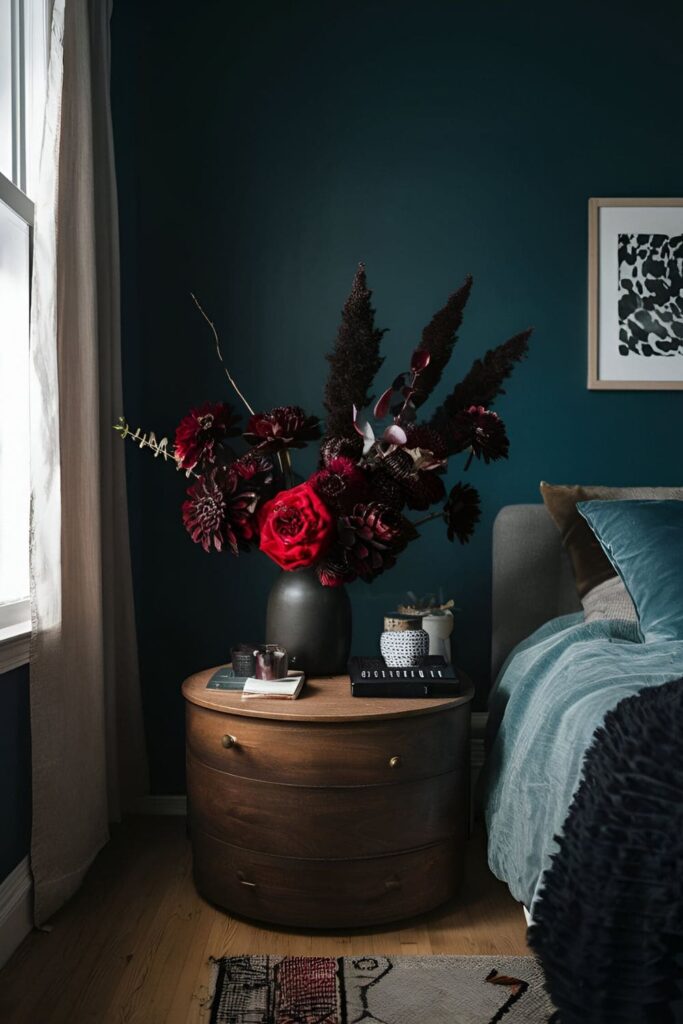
(220, 354)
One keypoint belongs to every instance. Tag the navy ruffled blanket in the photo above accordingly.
(608, 923)
(586, 827)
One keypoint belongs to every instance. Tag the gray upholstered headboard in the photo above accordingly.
(532, 577)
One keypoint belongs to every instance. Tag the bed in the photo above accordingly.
(574, 707)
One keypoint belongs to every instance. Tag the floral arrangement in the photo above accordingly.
(352, 517)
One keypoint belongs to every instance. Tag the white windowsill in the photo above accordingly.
(14, 646)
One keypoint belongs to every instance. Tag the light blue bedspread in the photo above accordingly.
(552, 694)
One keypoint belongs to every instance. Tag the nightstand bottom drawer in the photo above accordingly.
(326, 893)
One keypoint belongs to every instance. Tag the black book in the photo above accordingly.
(433, 677)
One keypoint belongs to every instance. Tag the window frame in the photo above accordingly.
(29, 57)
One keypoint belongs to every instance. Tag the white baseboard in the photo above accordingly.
(16, 909)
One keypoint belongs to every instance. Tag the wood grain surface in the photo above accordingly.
(321, 699)
(315, 785)
(134, 943)
(323, 754)
(318, 894)
(300, 821)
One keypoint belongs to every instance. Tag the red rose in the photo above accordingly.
(296, 528)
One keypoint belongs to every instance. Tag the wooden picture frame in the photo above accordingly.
(623, 355)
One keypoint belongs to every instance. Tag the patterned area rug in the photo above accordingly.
(379, 990)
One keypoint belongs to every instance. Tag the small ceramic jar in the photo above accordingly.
(439, 626)
(403, 643)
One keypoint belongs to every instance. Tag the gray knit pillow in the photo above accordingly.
(609, 600)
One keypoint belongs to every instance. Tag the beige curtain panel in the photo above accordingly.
(86, 719)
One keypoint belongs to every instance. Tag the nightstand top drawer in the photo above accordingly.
(364, 753)
(327, 699)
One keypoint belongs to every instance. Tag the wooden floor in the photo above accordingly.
(134, 944)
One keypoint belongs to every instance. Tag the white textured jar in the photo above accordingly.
(404, 648)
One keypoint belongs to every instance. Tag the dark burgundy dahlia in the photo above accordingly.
(286, 426)
(373, 535)
(341, 483)
(426, 438)
(254, 465)
(423, 489)
(482, 431)
(335, 570)
(199, 434)
(219, 511)
(333, 447)
(462, 512)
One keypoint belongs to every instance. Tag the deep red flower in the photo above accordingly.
(424, 437)
(286, 426)
(333, 447)
(219, 511)
(341, 483)
(482, 431)
(254, 465)
(334, 570)
(373, 535)
(202, 430)
(462, 512)
(296, 527)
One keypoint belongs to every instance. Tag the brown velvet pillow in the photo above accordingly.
(589, 562)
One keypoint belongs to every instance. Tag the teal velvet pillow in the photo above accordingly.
(644, 542)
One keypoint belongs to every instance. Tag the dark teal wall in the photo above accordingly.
(264, 148)
(15, 768)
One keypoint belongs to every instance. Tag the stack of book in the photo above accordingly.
(288, 688)
(433, 677)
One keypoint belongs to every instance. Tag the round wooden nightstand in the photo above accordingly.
(327, 811)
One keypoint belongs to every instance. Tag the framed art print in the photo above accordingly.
(635, 294)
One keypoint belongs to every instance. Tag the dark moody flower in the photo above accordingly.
(296, 527)
(398, 463)
(286, 426)
(333, 447)
(341, 483)
(334, 570)
(354, 360)
(373, 535)
(484, 382)
(423, 489)
(218, 513)
(482, 431)
(386, 490)
(462, 512)
(254, 465)
(424, 437)
(202, 430)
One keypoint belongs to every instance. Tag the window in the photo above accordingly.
(23, 64)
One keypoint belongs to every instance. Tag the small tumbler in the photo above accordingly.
(243, 660)
(271, 661)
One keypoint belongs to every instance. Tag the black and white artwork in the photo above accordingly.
(650, 295)
(636, 293)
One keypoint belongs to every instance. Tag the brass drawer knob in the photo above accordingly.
(229, 741)
(395, 761)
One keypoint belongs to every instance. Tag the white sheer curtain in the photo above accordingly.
(86, 721)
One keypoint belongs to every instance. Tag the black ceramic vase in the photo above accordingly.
(313, 622)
